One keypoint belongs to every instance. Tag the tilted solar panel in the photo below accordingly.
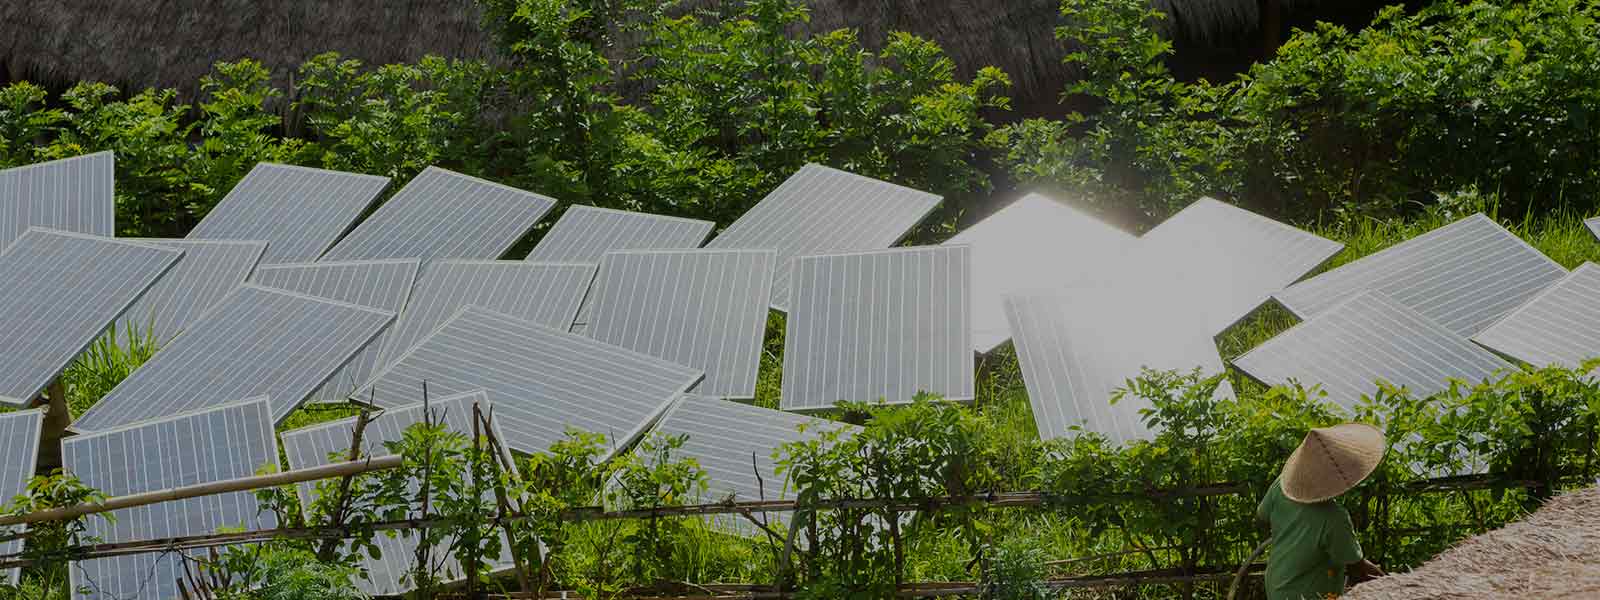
(1559, 326)
(441, 215)
(62, 290)
(705, 309)
(259, 342)
(583, 234)
(72, 194)
(220, 443)
(300, 212)
(881, 325)
(209, 271)
(19, 452)
(820, 210)
(1593, 223)
(542, 381)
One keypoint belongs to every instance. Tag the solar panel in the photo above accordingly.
(299, 211)
(217, 444)
(878, 325)
(737, 447)
(1031, 242)
(71, 194)
(1559, 326)
(1224, 261)
(542, 381)
(20, 430)
(259, 342)
(330, 442)
(1078, 347)
(61, 292)
(1348, 347)
(819, 210)
(381, 284)
(583, 234)
(705, 309)
(543, 294)
(208, 272)
(1462, 276)
(442, 214)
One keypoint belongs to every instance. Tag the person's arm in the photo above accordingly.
(1339, 541)
(1364, 569)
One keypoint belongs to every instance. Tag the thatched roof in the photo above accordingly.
(1554, 553)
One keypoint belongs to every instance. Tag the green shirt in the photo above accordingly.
(1311, 544)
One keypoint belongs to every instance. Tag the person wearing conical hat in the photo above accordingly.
(1313, 541)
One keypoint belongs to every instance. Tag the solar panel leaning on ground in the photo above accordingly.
(1078, 347)
(819, 210)
(327, 443)
(1560, 325)
(381, 284)
(542, 381)
(540, 293)
(1031, 240)
(209, 271)
(1462, 276)
(298, 211)
(20, 430)
(1370, 337)
(220, 443)
(62, 290)
(259, 342)
(885, 324)
(734, 444)
(72, 194)
(441, 215)
(1224, 261)
(705, 309)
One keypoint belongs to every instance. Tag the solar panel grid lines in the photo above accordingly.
(260, 341)
(822, 210)
(209, 271)
(542, 381)
(705, 309)
(71, 194)
(879, 325)
(1032, 240)
(299, 211)
(62, 291)
(1370, 337)
(442, 215)
(381, 284)
(220, 443)
(584, 234)
(1077, 347)
(21, 431)
(1463, 276)
(1558, 326)
(543, 293)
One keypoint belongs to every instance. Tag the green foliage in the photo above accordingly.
(50, 543)
(279, 571)
(106, 363)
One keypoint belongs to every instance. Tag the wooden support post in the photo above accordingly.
(56, 419)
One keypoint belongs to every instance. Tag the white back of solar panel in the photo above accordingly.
(72, 194)
(442, 214)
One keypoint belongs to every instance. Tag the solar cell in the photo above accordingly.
(259, 342)
(583, 234)
(210, 269)
(540, 293)
(705, 309)
(20, 430)
(220, 443)
(1559, 326)
(71, 194)
(877, 325)
(1031, 242)
(330, 442)
(298, 211)
(62, 290)
(1370, 337)
(819, 210)
(1078, 347)
(1462, 276)
(542, 381)
(442, 214)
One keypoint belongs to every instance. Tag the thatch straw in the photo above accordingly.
(1554, 553)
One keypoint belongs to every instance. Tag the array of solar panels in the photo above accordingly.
(619, 322)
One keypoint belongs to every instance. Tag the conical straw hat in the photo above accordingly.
(1332, 460)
